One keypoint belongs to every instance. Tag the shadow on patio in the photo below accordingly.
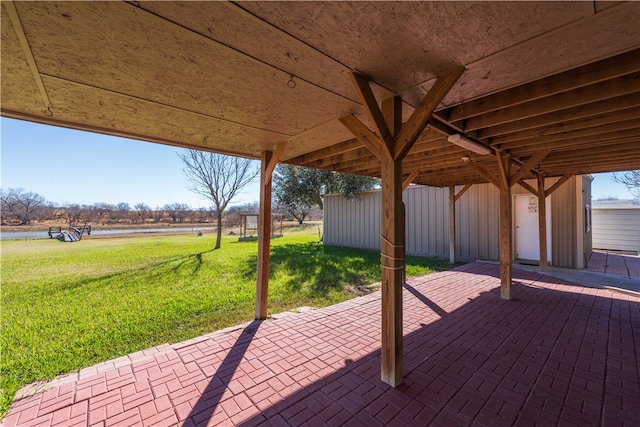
(557, 354)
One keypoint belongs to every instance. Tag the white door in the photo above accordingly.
(527, 242)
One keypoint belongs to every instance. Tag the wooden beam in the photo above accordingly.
(452, 223)
(527, 187)
(392, 263)
(273, 162)
(421, 115)
(557, 184)
(462, 191)
(364, 135)
(264, 237)
(542, 223)
(506, 237)
(486, 175)
(392, 259)
(528, 166)
(371, 106)
(409, 179)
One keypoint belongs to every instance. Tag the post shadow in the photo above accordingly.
(207, 403)
(432, 305)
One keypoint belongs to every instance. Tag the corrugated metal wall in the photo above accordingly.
(616, 228)
(356, 223)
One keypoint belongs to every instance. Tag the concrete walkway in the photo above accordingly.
(558, 354)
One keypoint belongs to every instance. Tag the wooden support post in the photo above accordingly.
(506, 228)
(264, 237)
(392, 262)
(452, 224)
(390, 143)
(542, 223)
(268, 163)
(392, 252)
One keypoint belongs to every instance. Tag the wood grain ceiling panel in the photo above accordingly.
(188, 72)
(563, 76)
(19, 89)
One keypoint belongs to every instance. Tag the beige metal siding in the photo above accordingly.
(477, 223)
(353, 223)
(616, 228)
(427, 221)
(563, 224)
(356, 223)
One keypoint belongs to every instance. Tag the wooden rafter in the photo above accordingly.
(606, 69)
(586, 95)
(556, 118)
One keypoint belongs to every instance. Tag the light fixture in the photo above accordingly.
(463, 142)
(465, 159)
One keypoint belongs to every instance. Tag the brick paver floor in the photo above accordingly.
(558, 354)
(620, 263)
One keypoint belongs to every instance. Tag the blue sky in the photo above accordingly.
(68, 166)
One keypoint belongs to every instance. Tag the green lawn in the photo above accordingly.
(70, 305)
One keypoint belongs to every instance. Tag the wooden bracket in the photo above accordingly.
(409, 179)
(364, 135)
(273, 161)
(486, 175)
(527, 187)
(557, 184)
(528, 166)
(462, 191)
(421, 115)
(371, 107)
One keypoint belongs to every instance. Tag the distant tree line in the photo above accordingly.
(20, 207)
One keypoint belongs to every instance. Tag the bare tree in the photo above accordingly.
(631, 179)
(218, 178)
(21, 205)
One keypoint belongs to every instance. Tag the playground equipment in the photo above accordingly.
(73, 234)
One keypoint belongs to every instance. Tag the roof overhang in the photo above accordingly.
(241, 78)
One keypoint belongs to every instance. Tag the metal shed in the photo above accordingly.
(356, 222)
(616, 226)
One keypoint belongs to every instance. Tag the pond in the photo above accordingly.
(45, 235)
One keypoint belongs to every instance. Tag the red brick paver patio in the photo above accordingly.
(558, 354)
(620, 263)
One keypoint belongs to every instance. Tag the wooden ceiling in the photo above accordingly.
(556, 80)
